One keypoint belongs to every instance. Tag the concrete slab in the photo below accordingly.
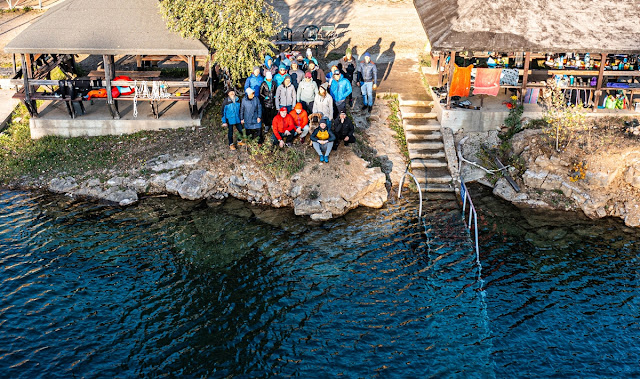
(54, 119)
(7, 105)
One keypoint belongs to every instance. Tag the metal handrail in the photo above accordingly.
(473, 216)
(406, 172)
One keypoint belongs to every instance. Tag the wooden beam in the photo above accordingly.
(138, 62)
(452, 65)
(210, 66)
(603, 62)
(192, 89)
(525, 75)
(14, 66)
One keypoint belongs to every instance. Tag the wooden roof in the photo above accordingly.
(109, 27)
(604, 26)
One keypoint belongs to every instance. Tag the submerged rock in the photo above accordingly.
(63, 185)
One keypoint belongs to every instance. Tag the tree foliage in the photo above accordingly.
(238, 31)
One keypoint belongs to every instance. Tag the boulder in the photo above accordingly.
(173, 185)
(324, 216)
(121, 197)
(168, 162)
(534, 179)
(196, 185)
(63, 185)
(632, 175)
(504, 190)
(632, 213)
(115, 181)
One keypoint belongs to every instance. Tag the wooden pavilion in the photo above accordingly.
(539, 31)
(107, 28)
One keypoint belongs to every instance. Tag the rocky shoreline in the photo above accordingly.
(610, 186)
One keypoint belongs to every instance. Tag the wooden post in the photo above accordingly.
(603, 62)
(138, 62)
(452, 65)
(210, 65)
(192, 95)
(525, 75)
(13, 61)
(440, 69)
(109, 72)
(27, 74)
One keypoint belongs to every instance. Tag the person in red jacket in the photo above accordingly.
(283, 128)
(300, 120)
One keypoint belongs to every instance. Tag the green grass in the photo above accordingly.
(278, 162)
(21, 156)
(396, 125)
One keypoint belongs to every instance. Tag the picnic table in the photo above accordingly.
(134, 75)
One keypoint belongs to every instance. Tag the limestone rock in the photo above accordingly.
(173, 185)
(63, 185)
(306, 207)
(115, 181)
(167, 162)
(196, 185)
(632, 175)
(552, 182)
(122, 197)
(534, 179)
(139, 185)
(522, 140)
(324, 216)
(504, 190)
(632, 213)
(159, 182)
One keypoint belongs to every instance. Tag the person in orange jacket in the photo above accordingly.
(284, 130)
(300, 120)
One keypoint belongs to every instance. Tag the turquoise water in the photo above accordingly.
(176, 288)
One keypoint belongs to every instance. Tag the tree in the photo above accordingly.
(563, 120)
(238, 31)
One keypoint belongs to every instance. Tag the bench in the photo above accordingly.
(135, 75)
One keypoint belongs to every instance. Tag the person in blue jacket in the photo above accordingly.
(279, 77)
(251, 115)
(269, 66)
(231, 117)
(254, 81)
(340, 90)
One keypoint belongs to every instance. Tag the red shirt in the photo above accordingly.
(282, 124)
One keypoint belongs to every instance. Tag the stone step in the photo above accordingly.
(417, 164)
(433, 127)
(437, 154)
(425, 145)
(445, 179)
(414, 102)
(438, 188)
(423, 135)
(417, 112)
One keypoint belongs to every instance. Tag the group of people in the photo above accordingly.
(282, 94)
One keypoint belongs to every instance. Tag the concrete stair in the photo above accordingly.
(426, 148)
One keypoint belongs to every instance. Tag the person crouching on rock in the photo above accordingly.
(251, 114)
(300, 121)
(231, 118)
(284, 131)
(323, 139)
(343, 129)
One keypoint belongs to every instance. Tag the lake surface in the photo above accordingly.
(176, 288)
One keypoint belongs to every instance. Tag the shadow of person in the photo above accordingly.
(338, 52)
(389, 56)
(374, 50)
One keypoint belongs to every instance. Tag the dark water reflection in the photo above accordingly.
(174, 288)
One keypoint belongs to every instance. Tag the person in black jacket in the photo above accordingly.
(268, 100)
(343, 128)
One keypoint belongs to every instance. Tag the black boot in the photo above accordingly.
(364, 107)
(370, 108)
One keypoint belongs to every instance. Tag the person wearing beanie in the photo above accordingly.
(251, 115)
(269, 66)
(323, 103)
(348, 66)
(254, 80)
(286, 94)
(367, 80)
(284, 131)
(323, 138)
(301, 121)
(340, 90)
(279, 77)
(296, 74)
(268, 99)
(231, 117)
(343, 129)
(310, 58)
(307, 91)
(301, 64)
(317, 74)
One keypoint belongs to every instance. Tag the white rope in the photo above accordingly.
(158, 91)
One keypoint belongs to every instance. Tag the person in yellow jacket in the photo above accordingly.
(323, 138)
